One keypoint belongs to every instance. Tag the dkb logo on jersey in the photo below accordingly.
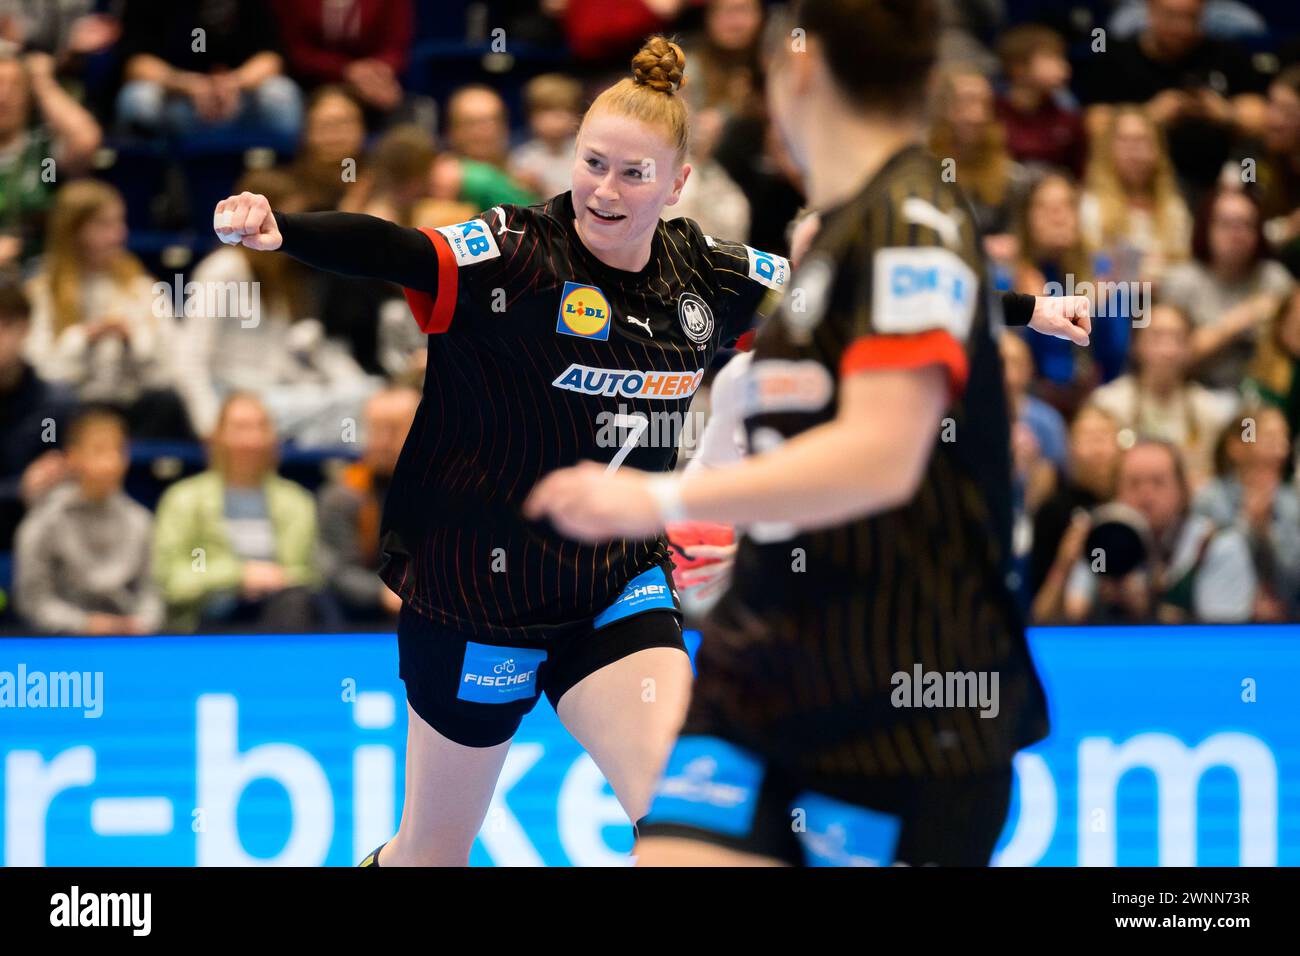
(498, 675)
(584, 312)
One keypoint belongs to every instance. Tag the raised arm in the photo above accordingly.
(347, 243)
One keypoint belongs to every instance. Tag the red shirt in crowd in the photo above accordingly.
(321, 37)
(1051, 134)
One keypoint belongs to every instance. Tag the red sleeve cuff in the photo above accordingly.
(936, 347)
(433, 313)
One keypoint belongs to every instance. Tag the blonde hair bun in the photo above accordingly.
(661, 65)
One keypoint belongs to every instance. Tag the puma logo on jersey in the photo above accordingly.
(644, 323)
(502, 228)
(947, 225)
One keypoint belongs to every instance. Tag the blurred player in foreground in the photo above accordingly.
(864, 683)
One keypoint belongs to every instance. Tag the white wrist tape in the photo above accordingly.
(221, 220)
(667, 493)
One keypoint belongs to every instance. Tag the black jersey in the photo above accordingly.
(540, 356)
(801, 657)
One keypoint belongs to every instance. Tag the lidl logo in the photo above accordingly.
(584, 312)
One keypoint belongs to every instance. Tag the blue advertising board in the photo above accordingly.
(1170, 746)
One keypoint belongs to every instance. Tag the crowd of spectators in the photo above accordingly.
(168, 461)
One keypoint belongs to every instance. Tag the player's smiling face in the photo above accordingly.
(624, 173)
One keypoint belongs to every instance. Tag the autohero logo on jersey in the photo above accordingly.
(499, 675)
(584, 312)
(470, 242)
(628, 383)
(918, 289)
(785, 385)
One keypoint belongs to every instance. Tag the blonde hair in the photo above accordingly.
(1103, 182)
(75, 205)
(553, 91)
(218, 454)
(985, 174)
(650, 93)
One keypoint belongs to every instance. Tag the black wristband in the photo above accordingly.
(1017, 308)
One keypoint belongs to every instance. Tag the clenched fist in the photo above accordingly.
(247, 220)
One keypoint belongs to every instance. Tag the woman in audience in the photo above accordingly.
(98, 324)
(1088, 480)
(1230, 289)
(1158, 400)
(1132, 211)
(1052, 257)
(236, 545)
(967, 136)
(333, 141)
(1251, 494)
(1272, 377)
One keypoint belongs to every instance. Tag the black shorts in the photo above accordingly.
(715, 791)
(476, 691)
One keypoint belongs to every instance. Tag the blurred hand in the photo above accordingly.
(202, 92)
(711, 575)
(1024, 448)
(374, 82)
(588, 503)
(247, 217)
(1168, 105)
(92, 33)
(109, 624)
(1259, 488)
(1002, 247)
(1063, 317)
(1074, 540)
(43, 474)
(390, 600)
(227, 95)
(39, 65)
(1213, 107)
(261, 578)
(108, 326)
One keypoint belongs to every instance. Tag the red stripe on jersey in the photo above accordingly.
(937, 346)
(434, 315)
(746, 341)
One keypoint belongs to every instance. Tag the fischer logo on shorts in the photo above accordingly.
(498, 675)
(628, 383)
(768, 269)
(645, 592)
(470, 242)
(708, 783)
(584, 312)
(845, 834)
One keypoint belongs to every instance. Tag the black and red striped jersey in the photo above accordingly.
(541, 356)
(802, 656)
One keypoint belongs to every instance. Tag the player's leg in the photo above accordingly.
(627, 714)
(465, 700)
(686, 851)
(448, 790)
(718, 804)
